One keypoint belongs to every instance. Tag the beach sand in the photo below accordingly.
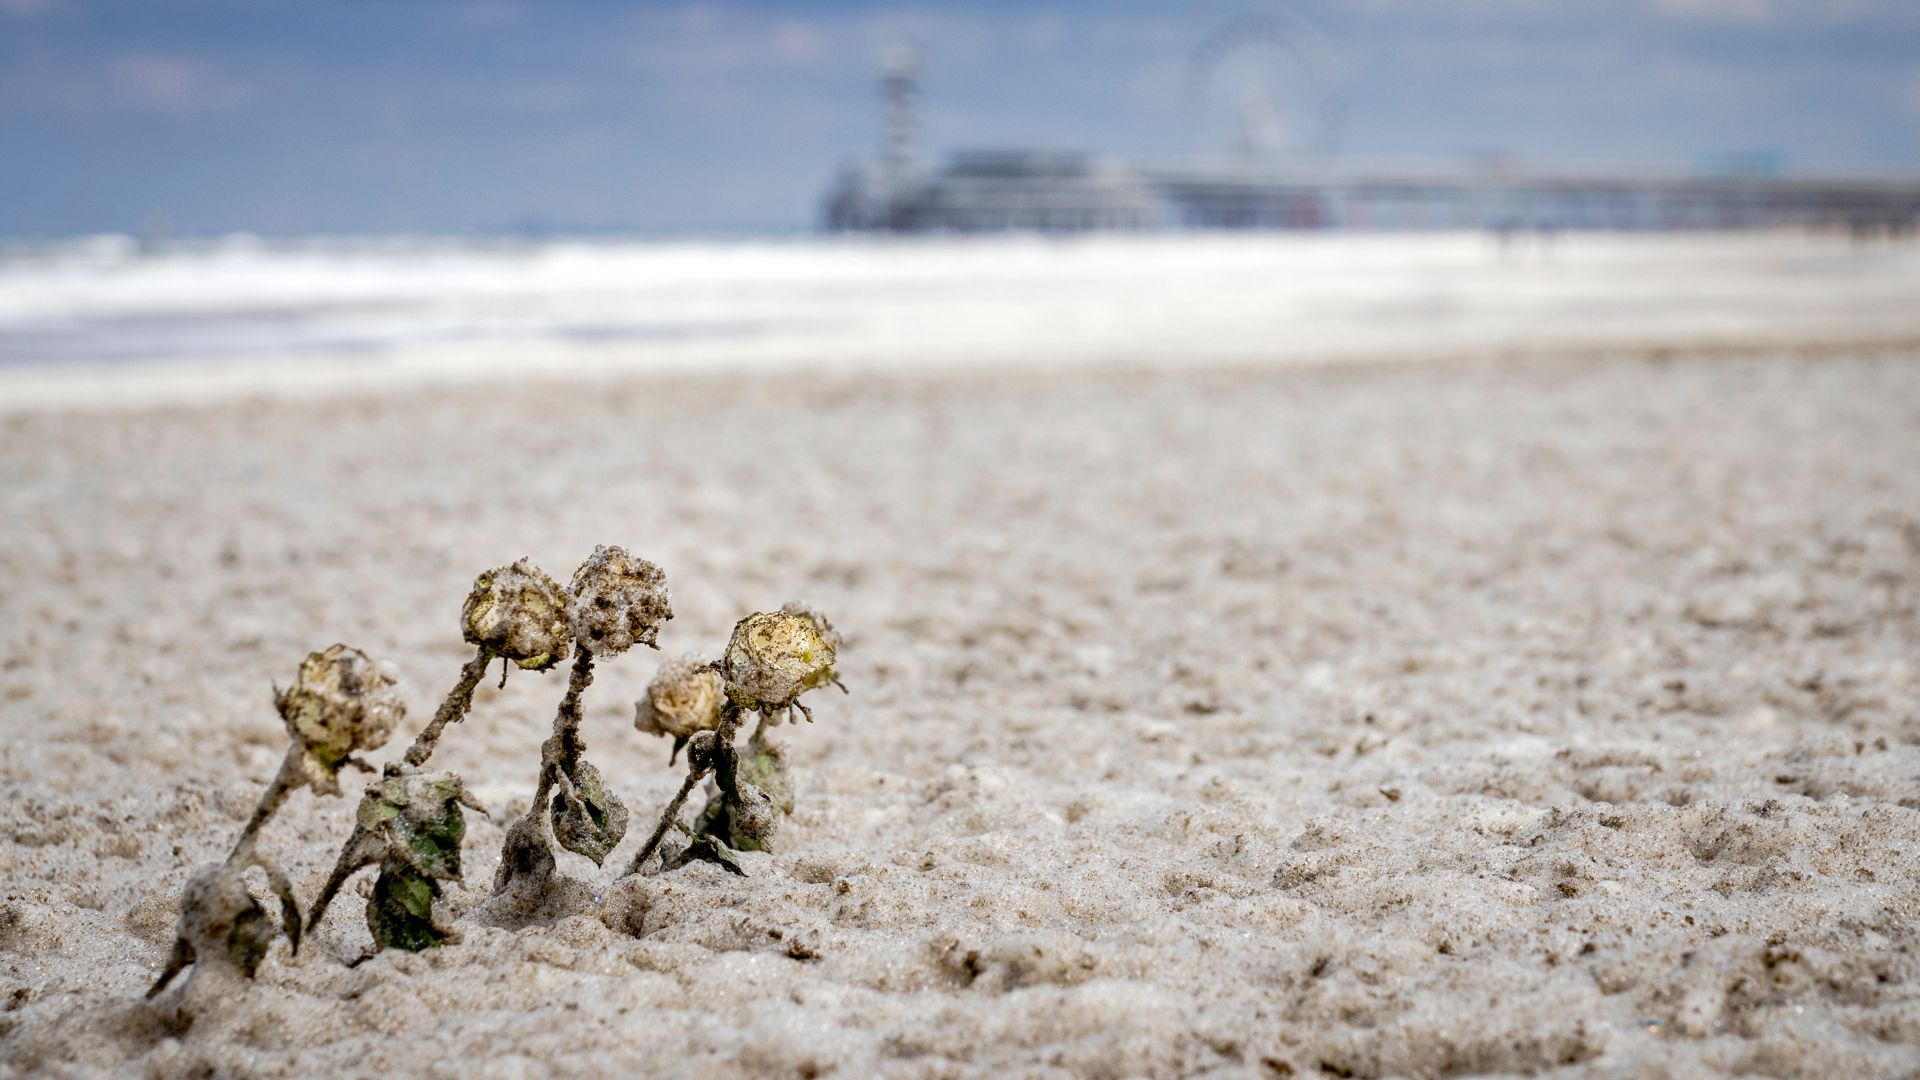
(1555, 714)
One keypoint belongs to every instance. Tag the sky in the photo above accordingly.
(285, 117)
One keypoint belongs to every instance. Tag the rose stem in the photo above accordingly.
(666, 819)
(722, 762)
(453, 710)
(290, 776)
(561, 751)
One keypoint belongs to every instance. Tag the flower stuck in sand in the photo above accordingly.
(519, 613)
(684, 697)
(409, 823)
(340, 703)
(773, 658)
(617, 601)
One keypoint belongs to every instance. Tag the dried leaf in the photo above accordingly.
(708, 849)
(249, 937)
(590, 820)
(525, 855)
(765, 767)
(427, 834)
(220, 920)
(364, 848)
(744, 819)
(400, 912)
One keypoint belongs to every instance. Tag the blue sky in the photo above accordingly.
(286, 117)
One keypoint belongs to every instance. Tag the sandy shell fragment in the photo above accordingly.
(684, 697)
(340, 703)
(773, 658)
(617, 601)
(518, 612)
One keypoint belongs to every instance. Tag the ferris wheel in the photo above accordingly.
(1262, 87)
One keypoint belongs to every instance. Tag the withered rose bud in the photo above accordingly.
(773, 658)
(340, 703)
(684, 697)
(617, 601)
(518, 612)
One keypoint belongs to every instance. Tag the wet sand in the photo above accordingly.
(1555, 714)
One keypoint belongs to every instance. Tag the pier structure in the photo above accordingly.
(1051, 191)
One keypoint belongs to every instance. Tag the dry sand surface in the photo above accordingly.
(1550, 715)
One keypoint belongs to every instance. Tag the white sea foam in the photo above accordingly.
(99, 321)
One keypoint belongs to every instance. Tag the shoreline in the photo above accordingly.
(167, 387)
(290, 325)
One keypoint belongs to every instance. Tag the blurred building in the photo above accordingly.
(1051, 191)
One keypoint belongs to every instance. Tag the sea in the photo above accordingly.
(109, 319)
